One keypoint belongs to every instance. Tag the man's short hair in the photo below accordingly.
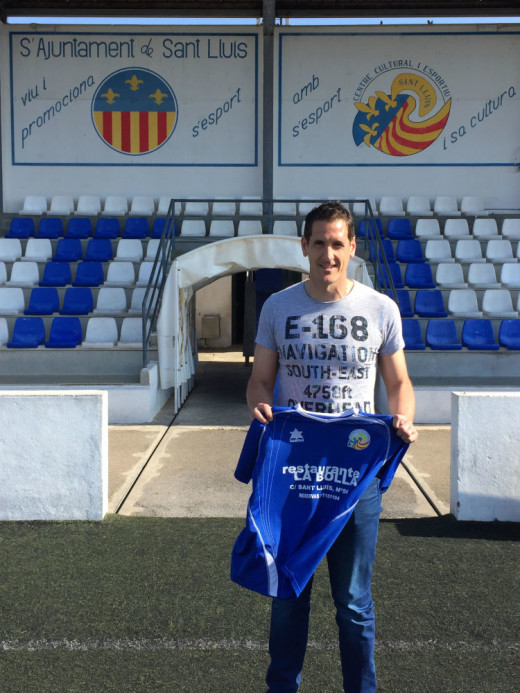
(329, 211)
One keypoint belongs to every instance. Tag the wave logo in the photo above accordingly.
(134, 111)
(359, 439)
(404, 122)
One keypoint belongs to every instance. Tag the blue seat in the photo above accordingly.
(28, 333)
(56, 274)
(409, 250)
(362, 230)
(412, 335)
(77, 301)
(50, 227)
(429, 303)
(442, 335)
(99, 250)
(68, 250)
(509, 334)
(43, 301)
(395, 273)
(399, 229)
(136, 227)
(478, 334)
(21, 227)
(158, 226)
(89, 274)
(79, 227)
(107, 227)
(404, 302)
(419, 276)
(386, 248)
(65, 333)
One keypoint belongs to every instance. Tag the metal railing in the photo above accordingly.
(153, 294)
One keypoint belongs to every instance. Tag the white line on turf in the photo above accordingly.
(142, 645)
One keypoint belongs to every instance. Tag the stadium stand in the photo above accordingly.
(419, 206)
(497, 303)
(391, 206)
(115, 206)
(399, 229)
(136, 227)
(79, 227)
(463, 303)
(62, 205)
(412, 335)
(10, 249)
(34, 205)
(68, 250)
(88, 205)
(101, 333)
(442, 335)
(449, 275)
(429, 303)
(478, 334)
(472, 205)
(21, 227)
(446, 205)
(482, 276)
(142, 206)
(509, 334)
(427, 228)
(24, 274)
(111, 299)
(455, 229)
(437, 251)
(511, 229)
(56, 274)
(43, 301)
(107, 227)
(65, 333)
(50, 227)
(77, 301)
(37, 250)
(28, 333)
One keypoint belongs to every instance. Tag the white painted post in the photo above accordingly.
(485, 456)
(54, 455)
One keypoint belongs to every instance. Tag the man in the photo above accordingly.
(325, 338)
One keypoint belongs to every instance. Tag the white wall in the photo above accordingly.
(484, 456)
(195, 95)
(215, 299)
(339, 90)
(332, 86)
(54, 455)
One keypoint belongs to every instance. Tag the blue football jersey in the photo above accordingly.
(309, 470)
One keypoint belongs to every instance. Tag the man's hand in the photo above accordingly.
(405, 428)
(263, 412)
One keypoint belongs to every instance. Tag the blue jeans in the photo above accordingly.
(350, 572)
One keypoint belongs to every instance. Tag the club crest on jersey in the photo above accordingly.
(358, 439)
(296, 436)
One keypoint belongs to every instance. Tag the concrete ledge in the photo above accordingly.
(484, 456)
(128, 403)
(54, 455)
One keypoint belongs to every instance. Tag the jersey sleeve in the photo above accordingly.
(249, 453)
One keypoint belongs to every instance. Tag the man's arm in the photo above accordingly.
(261, 384)
(399, 389)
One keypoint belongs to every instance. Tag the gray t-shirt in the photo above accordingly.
(328, 350)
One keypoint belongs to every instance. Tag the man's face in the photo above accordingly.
(329, 251)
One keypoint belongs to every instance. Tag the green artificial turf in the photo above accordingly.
(151, 603)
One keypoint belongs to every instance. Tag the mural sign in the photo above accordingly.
(170, 99)
(429, 99)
